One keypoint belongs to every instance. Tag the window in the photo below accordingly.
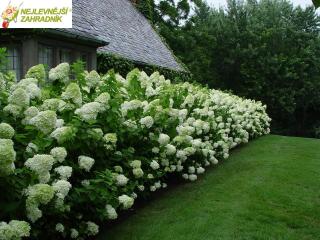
(45, 55)
(84, 59)
(65, 55)
(14, 61)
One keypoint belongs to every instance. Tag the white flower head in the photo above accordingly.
(14, 230)
(44, 121)
(65, 172)
(193, 177)
(138, 172)
(60, 73)
(59, 227)
(85, 163)
(61, 188)
(122, 180)
(103, 99)
(41, 164)
(92, 229)
(32, 148)
(147, 121)
(62, 134)
(89, 111)
(126, 201)
(154, 165)
(110, 139)
(191, 170)
(85, 182)
(36, 195)
(53, 104)
(92, 79)
(118, 169)
(59, 123)
(200, 170)
(135, 164)
(59, 154)
(111, 212)
(74, 233)
(155, 150)
(170, 149)
(30, 113)
(13, 109)
(19, 97)
(6, 131)
(73, 94)
(163, 139)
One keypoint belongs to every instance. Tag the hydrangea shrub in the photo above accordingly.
(75, 152)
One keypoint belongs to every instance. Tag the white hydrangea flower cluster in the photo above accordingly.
(59, 154)
(103, 99)
(62, 134)
(32, 148)
(137, 170)
(85, 163)
(130, 105)
(147, 121)
(61, 188)
(110, 140)
(21, 93)
(89, 111)
(29, 113)
(38, 72)
(59, 227)
(36, 195)
(44, 121)
(74, 233)
(92, 79)
(65, 172)
(14, 230)
(92, 229)
(6, 131)
(122, 180)
(60, 73)
(30, 85)
(18, 100)
(53, 104)
(41, 164)
(111, 212)
(126, 201)
(73, 94)
(19, 97)
(163, 139)
(3, 84)
(7, 157)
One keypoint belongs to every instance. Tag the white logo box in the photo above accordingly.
(36, 13)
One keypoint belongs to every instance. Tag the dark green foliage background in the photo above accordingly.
(266, 50)
(123, 66)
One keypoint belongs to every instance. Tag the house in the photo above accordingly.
(111, 26)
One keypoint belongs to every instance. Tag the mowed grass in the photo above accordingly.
(267, 189)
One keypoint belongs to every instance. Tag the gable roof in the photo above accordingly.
(127, 31)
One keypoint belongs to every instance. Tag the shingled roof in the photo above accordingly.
(127, 31)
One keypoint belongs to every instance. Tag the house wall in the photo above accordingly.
(29, 50)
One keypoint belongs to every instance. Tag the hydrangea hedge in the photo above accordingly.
(76, 151)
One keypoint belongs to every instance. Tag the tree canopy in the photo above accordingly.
(267, 50)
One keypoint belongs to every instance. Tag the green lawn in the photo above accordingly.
(267, 189)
